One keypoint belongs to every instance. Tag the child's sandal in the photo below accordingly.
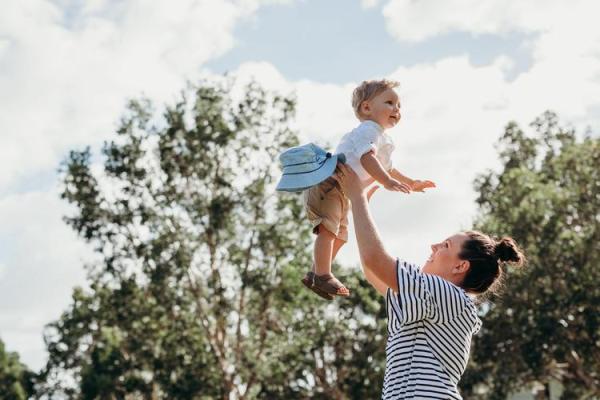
(330, 284)
(309, 280)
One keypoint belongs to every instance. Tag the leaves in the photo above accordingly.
(545, 326)
(16, 380)
(198, 294)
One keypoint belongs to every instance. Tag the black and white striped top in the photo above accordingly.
(430, 325)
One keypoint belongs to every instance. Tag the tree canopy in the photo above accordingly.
(546, 326)
(16, 380)
(196, 292)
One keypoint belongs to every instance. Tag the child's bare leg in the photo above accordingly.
(337, 245)
(326, 248)
(323, 251)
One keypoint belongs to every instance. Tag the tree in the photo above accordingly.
(16, 380)
(197, 290)
(546, 325)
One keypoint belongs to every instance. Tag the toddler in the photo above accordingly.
(368, 150)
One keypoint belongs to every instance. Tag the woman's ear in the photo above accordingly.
(462, 267)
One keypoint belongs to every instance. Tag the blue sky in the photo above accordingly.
(338, 41)
(466, 68)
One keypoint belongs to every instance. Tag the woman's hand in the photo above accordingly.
(371, 191)
(349, 182)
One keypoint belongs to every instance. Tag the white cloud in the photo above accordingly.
(263, 72)
(42, 261)
(366, 4)
(564, 46)
(453, 114)
(65, 77)
(66, 71)
(453, 111)
(417, 20)
(437, 129)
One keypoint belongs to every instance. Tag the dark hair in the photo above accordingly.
(486, 256)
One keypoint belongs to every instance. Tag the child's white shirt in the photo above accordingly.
(367, 136)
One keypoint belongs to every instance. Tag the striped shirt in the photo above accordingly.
(430, 325)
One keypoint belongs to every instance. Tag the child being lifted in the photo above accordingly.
(368, 150)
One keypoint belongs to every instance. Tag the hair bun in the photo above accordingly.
(506, 250)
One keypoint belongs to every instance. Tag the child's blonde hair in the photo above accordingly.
(369, 89)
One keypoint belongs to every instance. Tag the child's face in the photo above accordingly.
(383, 109)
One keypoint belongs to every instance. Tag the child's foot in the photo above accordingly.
(309, 282)
(331, 285)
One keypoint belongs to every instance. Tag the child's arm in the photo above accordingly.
(414, 184)
(394, 173)
(372, 165)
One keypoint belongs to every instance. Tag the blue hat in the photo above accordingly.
(305, 166)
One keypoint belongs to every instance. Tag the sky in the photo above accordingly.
(466, 68)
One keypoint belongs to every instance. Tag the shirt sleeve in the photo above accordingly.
(422, 296)
(365, 140)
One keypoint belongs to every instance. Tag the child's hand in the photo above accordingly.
(419, 186)
(396, 186)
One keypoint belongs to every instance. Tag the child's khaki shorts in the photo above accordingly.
(326, 204)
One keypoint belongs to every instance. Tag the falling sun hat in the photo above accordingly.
(305, 166)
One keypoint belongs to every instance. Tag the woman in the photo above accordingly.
(431, 314)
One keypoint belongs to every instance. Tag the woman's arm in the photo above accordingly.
(369, 275)
(373, 255)
(375, 281)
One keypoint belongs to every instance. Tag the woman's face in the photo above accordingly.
(444, 260)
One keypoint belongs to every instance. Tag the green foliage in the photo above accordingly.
(546, 325)
(16, 381)
(197, 292)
